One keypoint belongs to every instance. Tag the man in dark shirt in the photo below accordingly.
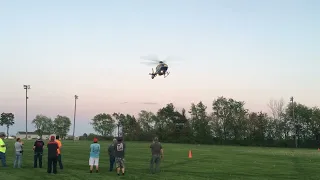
(119, 149)
(111, 154)
(52, 155)
(157, 155)
(38, 152)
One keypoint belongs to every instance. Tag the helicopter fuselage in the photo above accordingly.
(161, 69)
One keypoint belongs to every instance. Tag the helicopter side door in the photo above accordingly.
(158, 68)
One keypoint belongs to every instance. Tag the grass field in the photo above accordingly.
(208, 162)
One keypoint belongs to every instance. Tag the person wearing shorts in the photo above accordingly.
(119, 149)
(94, 155)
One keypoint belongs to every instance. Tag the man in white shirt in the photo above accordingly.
(19, 151)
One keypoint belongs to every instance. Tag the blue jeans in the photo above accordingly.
(112, 160)
(60, 161)
(18, 160)
(37, 156)
(3, 159)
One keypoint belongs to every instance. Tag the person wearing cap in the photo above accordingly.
(59, 152)
(18, 146)
(3, 149)
(38, 152)
(111, 154)
(157, 155)
(119, 152)
(94, 155)
(52, 155)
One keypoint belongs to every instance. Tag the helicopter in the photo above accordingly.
(161, 68)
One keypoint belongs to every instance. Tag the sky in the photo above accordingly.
(248, 50)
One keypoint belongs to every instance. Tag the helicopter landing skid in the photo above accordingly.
(152, 75)
(166, 75)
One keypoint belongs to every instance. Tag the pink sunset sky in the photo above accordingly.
(251, 51)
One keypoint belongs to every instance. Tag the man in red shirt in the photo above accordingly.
(52, 155)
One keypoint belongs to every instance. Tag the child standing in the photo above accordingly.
(94, 155)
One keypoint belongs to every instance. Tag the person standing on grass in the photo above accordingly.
(38, 152)
(94, 155)
(3, 149)
(111, 154)
(18, 146)
(119, 151)
(157, 155)
(52, 155)
(59, 152)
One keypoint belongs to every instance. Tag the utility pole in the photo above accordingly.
(295, 123)
(26, 87)
(74, 115)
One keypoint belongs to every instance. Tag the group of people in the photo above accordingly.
(54, 153)
(116, 153)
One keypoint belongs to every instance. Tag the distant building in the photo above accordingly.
(70, 137)
(31, 135)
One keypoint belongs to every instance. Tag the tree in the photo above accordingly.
(230, 115)
(7, 119)
(43, 124)
(103, 124)
(257, 125)
(61, 125)
(131, 128)
(120, 122)
(277, 108)
(281, 126)
(183, 128)
(166, 123)
(85, 136)
(200, 123)
(315, 123)
(146, 120)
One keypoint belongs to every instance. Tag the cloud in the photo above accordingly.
(149, 103)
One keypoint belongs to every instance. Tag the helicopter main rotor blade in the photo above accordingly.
(151, 58)
(150, 63)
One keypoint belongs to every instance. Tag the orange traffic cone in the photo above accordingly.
(190, 154)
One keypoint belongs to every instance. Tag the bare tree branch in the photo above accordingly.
(277, 108)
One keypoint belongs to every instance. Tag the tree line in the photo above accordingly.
(43, 124)
(229, 123)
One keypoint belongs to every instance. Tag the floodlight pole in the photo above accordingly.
(74, 114)
(26, 87)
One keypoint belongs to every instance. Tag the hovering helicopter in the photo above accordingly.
(161, 68)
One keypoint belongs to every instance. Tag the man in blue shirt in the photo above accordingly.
(94, 155)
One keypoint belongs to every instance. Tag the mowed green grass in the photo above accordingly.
(208, 162)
